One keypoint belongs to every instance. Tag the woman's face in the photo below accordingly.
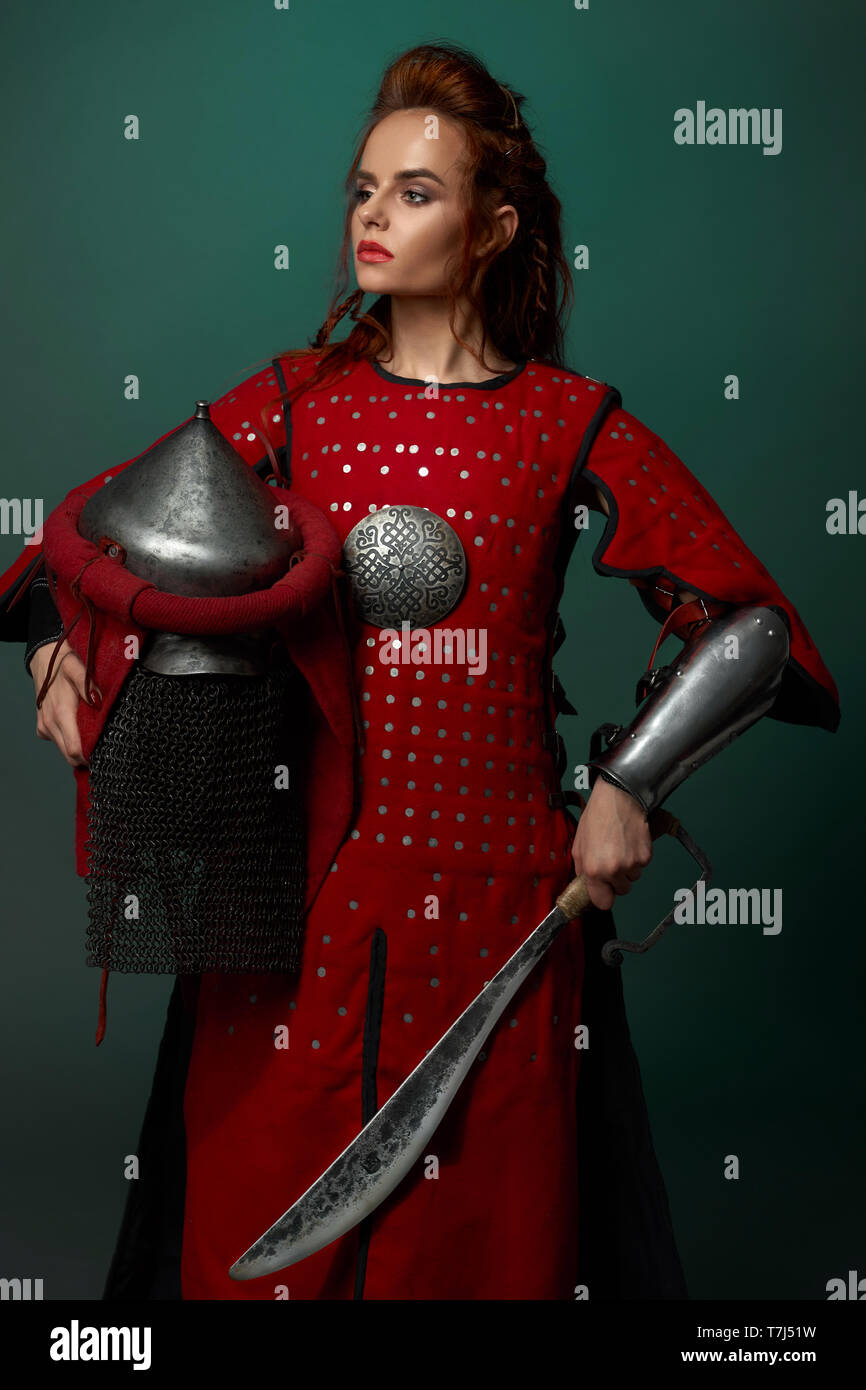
(414, 215)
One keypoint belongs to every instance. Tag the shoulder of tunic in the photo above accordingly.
(663, 524)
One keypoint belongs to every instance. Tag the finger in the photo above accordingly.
(72, 739)
(612, 874)
(59, 725)
(55, 733)
(621, 885)
(601, 894)
(622, 879)
(40, 668)
(65, 708)
(73, 671)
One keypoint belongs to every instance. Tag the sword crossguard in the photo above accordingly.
(611, 951)
(575, 899)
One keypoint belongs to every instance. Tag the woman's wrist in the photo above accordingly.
(618, 795)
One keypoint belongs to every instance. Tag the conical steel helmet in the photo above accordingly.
(194, 519)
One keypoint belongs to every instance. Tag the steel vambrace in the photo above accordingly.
(726, 676)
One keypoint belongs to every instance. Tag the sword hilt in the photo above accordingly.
(575, 899)
(611, 951)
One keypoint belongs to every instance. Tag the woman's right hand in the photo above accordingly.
(57, 717)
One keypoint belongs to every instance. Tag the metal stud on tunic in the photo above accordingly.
(404, 563)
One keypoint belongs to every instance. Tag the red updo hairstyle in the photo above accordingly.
(521, 294)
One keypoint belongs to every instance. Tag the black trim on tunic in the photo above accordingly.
(287, 421)
(369, 1063)
(492, 383)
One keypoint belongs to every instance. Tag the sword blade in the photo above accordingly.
(378, 1159)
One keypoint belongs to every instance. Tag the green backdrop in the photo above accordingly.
(155, 257)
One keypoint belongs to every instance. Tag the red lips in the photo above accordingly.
(373, 250)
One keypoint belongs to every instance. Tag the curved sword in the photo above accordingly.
(378, 1159)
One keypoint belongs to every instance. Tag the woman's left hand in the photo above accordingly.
(612, 845)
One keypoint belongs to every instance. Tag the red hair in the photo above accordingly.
(520, 293)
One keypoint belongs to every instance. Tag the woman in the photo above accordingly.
(449, 395)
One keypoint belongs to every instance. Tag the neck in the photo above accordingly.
(423, 344)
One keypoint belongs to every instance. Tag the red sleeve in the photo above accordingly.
(663, 525)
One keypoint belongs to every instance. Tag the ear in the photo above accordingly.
(508, 222)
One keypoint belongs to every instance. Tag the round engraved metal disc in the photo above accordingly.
(404, 563)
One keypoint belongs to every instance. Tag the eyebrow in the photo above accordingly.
(403, 174)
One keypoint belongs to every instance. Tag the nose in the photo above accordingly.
(372, 214)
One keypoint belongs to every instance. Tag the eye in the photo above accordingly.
(361, 195)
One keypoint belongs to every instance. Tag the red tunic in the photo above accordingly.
(455, 856)
(459, 848)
